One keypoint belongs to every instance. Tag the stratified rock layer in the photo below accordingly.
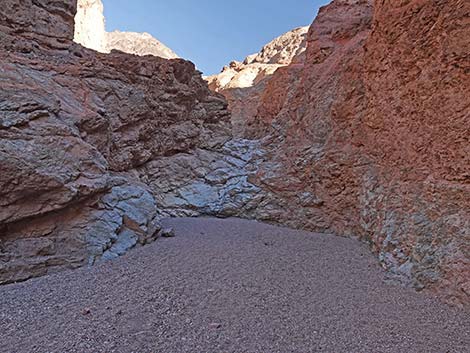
(90, 31)
(75, 126)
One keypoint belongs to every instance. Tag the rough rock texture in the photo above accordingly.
(417, 134)
(244, 83)
(90, 32)
(365, 134)
(75, 126)
(137, 43)
(370, 137)
(90, 28)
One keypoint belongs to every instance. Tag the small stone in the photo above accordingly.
(215, 325)
(167, 232)
(86, 311)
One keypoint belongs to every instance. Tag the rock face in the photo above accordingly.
(368, 136)
(359, 128)
(244, 83)
(90, 32)
(416, 129)
(90, 28)
(75, 127)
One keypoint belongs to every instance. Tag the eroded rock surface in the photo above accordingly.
(90, 31)
(368, 136)
(359, 128)
(75, 126)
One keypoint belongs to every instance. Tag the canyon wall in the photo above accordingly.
(416, 126)
(367, 135)
(75, 127)
(90, 31)
(359, 128)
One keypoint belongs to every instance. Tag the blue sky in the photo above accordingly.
(211, 33)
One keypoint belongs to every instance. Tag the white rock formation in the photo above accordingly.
(279, 52)
(137, 43)
(90, 25)
(90, 32)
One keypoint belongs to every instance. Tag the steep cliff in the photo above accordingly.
(90, 28)
(416, 132)
(90, 32)
(74, 127)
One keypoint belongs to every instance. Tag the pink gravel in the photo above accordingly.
(229, 286)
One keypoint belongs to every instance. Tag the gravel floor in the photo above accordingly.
(229, 286)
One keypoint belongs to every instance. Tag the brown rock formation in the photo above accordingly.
(74, 126)
(417, 134)
(370, 137)
(90, 32)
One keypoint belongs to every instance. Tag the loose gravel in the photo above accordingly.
(229, 286)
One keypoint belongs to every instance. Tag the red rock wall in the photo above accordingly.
(417, 132)
(309, 113)
(373, 140)
(39, 20)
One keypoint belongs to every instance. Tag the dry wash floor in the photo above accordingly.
(229, 286)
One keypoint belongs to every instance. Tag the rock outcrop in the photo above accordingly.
(75, 127)
(368, 137)
(90, 31)
(243, 84)
(416, 132)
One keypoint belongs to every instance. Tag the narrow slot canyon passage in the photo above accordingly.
(230, 286)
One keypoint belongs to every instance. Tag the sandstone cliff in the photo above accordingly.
(90, 32)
